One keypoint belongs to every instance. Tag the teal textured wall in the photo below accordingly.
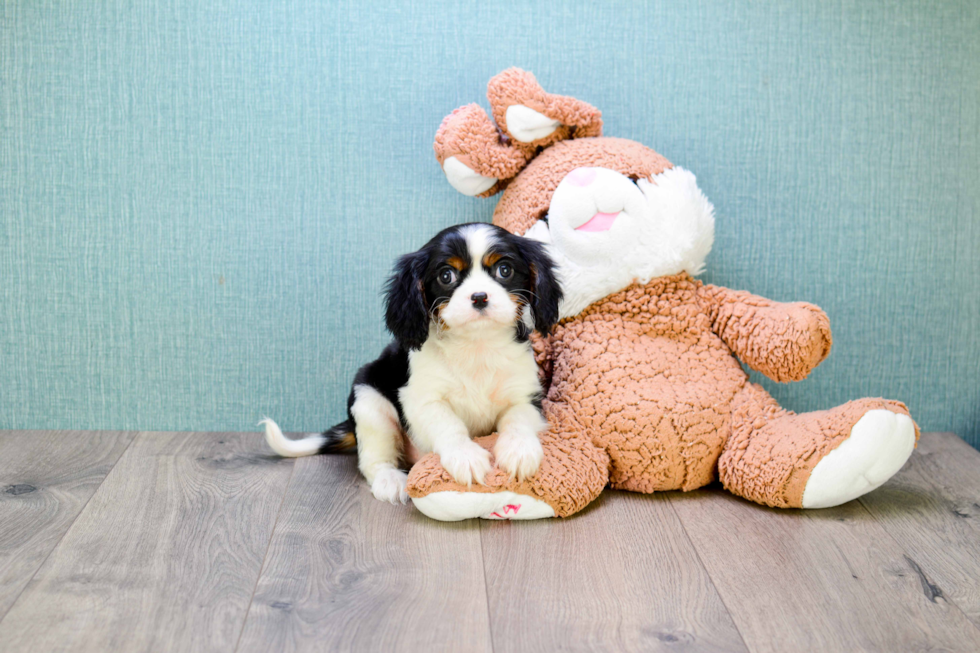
(200, 200)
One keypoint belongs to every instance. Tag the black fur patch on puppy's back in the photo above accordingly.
(386, 374)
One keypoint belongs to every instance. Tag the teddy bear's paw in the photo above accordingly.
(518, 454)
(466, 462)
(390, 485)
(456, 506)
(879, 444)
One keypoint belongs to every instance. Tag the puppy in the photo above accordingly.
(460, 365)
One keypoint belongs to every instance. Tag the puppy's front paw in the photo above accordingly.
(518, 454)
(466, 463)
(389, 485)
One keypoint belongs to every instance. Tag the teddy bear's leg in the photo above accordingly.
(534, 118)
(572, 474)
(471, 153)
(813, 460)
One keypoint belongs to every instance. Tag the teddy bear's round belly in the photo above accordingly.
(660, 404)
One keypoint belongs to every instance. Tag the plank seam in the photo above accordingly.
(486, 585)
(265, 556)
(71, 525)
(707, 572)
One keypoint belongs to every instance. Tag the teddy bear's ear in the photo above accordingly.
(534, 118)
(479, 158)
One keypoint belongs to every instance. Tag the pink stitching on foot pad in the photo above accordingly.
(509, 508)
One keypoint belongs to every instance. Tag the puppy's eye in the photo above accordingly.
(504, 271)
(447, 276)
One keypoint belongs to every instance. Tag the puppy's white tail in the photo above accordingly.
(283, 446)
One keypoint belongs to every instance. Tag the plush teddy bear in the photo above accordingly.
(643, 386)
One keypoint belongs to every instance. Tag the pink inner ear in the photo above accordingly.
(599, 222)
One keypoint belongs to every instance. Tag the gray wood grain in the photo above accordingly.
(46, 478)
(932, 508)
(820, 580)
(165, 555)
(346, 572)
(622, 576)
(179, 549)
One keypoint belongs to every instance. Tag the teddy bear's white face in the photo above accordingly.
(606, 232)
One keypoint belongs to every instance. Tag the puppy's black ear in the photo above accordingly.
(405, 312)
(546, 292)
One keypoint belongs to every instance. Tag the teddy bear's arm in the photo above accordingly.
(784, 341)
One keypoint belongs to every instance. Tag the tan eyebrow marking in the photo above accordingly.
(456, 262)
(490, 258)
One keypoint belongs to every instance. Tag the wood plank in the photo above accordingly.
(819, 580)
(932, 508)
(347, 572)
(621, 576)
(46, 478)
(165, 555)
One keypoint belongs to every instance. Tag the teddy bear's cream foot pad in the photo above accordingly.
(527, 125)
(466, 180)
(878, 446)
(456, 506)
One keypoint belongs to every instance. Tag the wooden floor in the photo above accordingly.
(122, 541)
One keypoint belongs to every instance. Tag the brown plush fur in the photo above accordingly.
(645, 395)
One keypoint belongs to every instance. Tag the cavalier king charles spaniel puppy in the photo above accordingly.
(460, 366)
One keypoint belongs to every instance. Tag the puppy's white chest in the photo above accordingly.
(478, 400)
(478, 382)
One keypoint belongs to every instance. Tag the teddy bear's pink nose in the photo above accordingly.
(582, 176)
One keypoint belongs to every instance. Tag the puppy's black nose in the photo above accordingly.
(479, 300)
